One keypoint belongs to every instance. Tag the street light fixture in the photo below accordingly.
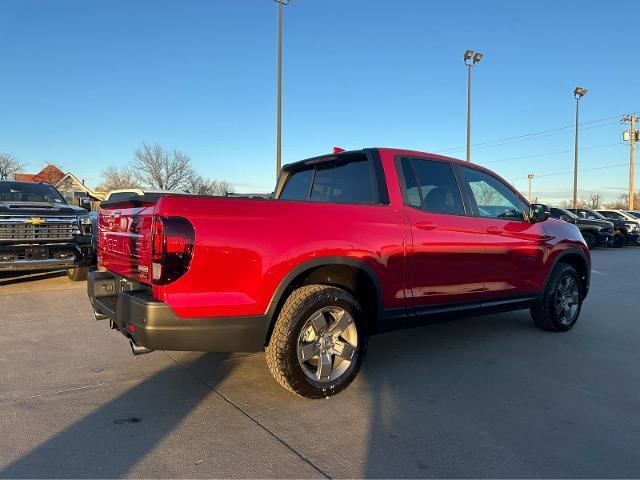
(578, 93)
(530, 177)
(470, 59)
(282, 3)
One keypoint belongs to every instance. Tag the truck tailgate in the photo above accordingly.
(124, 240)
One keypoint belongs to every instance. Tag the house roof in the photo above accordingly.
(91, 193)
(24, 177)
(49, 174)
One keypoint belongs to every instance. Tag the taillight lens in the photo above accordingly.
(172, 248)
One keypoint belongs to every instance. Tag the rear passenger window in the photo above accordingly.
(297, 186)
(349, 179)
(432, 185)
(343, 183)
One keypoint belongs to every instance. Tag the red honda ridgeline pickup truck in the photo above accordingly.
(353, 243)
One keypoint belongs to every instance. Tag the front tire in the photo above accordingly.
(78, 274)
(619, 241)
(318, 342)
(590, 239)
(560, 307)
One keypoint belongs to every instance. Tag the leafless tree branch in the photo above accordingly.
(9, 166)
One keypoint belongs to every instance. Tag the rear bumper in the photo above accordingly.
(155, 325)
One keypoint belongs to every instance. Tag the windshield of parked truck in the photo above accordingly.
(29, 192)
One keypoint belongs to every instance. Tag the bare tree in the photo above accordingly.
(114, 178)
(623, 201)
(9, 166)
(205, 186)
(485, 194)
(593, 203)
(157, 168)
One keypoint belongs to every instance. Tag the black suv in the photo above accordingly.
(39, 230)
(595, 232)
(624, 231)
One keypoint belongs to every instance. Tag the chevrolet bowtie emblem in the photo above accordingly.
(36, 221)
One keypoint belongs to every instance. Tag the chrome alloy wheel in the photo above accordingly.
(567, 300)
(327, 344)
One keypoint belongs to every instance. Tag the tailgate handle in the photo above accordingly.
(426, 226)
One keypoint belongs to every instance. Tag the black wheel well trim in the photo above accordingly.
(279, 296)
(583, 257)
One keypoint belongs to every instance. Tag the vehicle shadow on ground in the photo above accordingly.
(484, 397)
(109, 441)
(13, 278)
(427, 397)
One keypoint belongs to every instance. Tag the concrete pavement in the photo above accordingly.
(478, 397)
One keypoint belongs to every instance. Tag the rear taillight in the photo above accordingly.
(172, 248)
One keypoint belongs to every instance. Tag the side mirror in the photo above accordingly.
(566, 218)
(538, 212)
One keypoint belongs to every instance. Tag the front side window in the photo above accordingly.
(613, 215)
(493, 198)
(433, 186)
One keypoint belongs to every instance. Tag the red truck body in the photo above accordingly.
(243, 256)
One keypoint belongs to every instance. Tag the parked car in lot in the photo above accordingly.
(594, 232)
(624, 231)
(352, 244)
(39, 230)
(619, 215)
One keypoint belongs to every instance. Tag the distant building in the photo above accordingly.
(73, 189)
(49, 174)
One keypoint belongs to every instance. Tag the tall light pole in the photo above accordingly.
(632, 136)
(470, 59)
(530, 177)
(578, 93)
(281, 3)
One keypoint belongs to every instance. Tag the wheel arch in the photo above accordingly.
(579, 261)
(355, 276)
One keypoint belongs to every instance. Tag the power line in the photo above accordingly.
(571, 171)
(548, 154)
(531, 134)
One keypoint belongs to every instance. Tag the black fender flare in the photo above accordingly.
(572, 251)
(279, 295)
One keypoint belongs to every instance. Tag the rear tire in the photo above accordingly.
(318, 342)
(591, 239)
(562, 301)
(78, 274)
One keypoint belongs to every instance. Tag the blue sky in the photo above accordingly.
(83, 83)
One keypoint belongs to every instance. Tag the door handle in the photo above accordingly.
(426, 226)
(493, 230)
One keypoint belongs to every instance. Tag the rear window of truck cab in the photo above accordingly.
(343, 179)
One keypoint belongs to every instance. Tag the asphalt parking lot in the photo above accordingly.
(478, 397)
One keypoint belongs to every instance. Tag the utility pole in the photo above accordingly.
(578, 93)
(530, 177)
(281, 3)
(470, 59)
(633, 136)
